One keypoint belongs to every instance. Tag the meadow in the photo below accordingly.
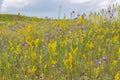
(80, 48)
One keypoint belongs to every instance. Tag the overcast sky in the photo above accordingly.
(51, 8)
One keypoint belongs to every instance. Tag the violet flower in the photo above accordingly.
(104, 58)
(99, 62)
(83, 27)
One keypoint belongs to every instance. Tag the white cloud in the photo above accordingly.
(79, 1)
(104, 4)
(51, 7)
(14, 4)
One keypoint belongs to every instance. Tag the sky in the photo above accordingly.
(52, 8)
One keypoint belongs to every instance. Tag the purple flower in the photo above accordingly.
(83, 27)
(110, 16)
(54, 66)
(78, 15)
(75, 19)
(40, 77)
(109, 11)
(104, 58)
(78, 24)
(96, 60)
(24, 44)
(73, 11)
(99, 62)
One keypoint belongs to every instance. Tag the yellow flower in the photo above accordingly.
(68, 62)
(99, 49)
(90, 45)
(11, 45)
(75, 51)
(36, 42)
(45, 67)
(29, 70)
(8, 65)
(70, 58)
(54, 62)
(40, 57)
(114, 62)
(17, 51)
(3, 78)
(36, 77)
(84, 57)
(90, 63)
(119, 51)
(116, 39)
(63, 43)
(81, 20)
(33, 55)
(117, 76)
(97, 70)
(34, 69)
(23, 70)
(17, 75)
(29, 28)
(52, 46)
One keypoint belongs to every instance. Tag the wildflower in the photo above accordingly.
(3, 78)
(75, 51)
(99, 62)
(54, 66)
(33, 55)
(117, 76)
(118, 51)
(17, 75)
(90, 45)
(104, 58)
(34, 69)
(82, 27)
(96, 60)
(114, 62)
(36, 42)
(40, 58)
(36, 77)
(45, 67)
(54, 62)
(116, 39)
(75, 19)
(29, 28)
(41, 77)
(97, 70)
(99, 49)
(90, 63)
(24, 44)
(73, 12)
(78, 24)
(84, 57)
(109, 11)
(52, 46)
(22, 69)
(78, 15)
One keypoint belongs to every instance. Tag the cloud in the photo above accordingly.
(52, 7)
(79, 1)
(14, 4)
(104, 5)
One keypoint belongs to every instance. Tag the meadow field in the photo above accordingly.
(85, 47)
